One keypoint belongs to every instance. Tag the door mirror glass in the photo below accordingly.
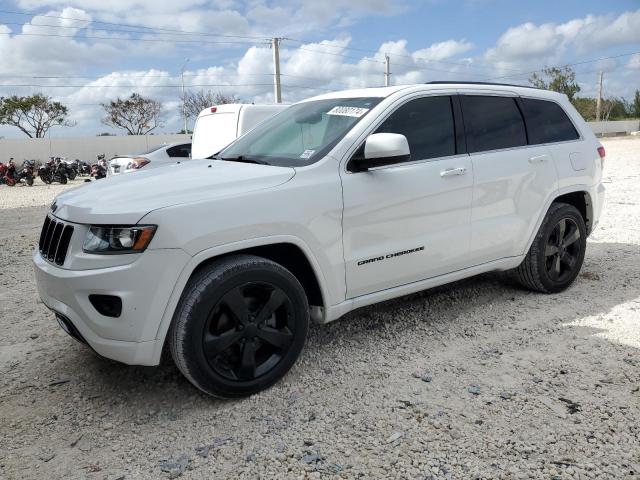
(380, 149)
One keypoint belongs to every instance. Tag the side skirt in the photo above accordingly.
(336, 311)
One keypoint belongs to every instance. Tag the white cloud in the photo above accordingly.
(443, 50)
(534, 45)
(634, 62)
(318, 66)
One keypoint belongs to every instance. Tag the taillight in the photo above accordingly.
(214, 109)
(602, 154)
(137, 163)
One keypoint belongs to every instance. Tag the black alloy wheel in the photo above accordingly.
(555, 257)
(249, 331)
(562, 250)
(240, 325)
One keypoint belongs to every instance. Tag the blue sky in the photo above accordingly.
(92, 51)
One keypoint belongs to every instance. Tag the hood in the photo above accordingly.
(125, 199)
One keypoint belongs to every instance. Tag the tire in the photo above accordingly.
(30, 181)
(557, 253)
(72, 174)
(219, 337)
(63, 179)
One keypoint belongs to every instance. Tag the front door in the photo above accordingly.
(408, 222)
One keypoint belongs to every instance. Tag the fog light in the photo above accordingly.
(107, 305)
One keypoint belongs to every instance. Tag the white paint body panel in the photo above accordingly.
(482, 220)
(158, 158)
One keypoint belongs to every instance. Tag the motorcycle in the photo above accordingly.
(99, 169)
(9, 175)
(82, 169)
(66, 168)
(26, 173)
(49, 172)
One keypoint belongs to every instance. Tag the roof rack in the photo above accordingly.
(461, 82)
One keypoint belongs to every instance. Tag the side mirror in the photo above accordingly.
(380, 149)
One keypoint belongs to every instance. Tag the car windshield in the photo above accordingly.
(301, 134)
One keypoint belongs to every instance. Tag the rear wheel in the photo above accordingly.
(72, 174)
(30, 181)
(63, 179)
(239, 327)
(557, 253)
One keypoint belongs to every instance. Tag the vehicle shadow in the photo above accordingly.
(610, 277)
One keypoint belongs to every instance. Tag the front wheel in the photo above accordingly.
(557, 253)
(72, 174)
(29, 180)
(63, 179)
(239, 327)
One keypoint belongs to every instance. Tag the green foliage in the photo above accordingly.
(34, 115)
(136, 114)
(558, 79)
(635, 105)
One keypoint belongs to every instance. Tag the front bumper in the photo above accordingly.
(144, 286)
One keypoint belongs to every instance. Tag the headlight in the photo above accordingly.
(117, 239)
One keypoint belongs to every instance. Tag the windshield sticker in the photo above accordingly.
(307, 153)
(348, 111)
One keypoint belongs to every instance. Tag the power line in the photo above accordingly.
(167, 76)
(122, 39)
(219, 85)
(413, 57)
(119, 30)
(563, 66)
(131, 26)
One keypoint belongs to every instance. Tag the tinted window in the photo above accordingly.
(180, 150)
(428, 125)
(547, 122)
(492, 123)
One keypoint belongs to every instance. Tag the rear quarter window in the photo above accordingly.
(547, 122)
(492, 123)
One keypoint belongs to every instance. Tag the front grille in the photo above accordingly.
(54, 240)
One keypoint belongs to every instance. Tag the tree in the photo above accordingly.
(195, 102)
(137, 115)
(562, 80)
(634, 111)
(586, 106)
(34, 115)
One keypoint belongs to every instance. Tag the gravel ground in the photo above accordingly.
(472, 380)
(40, 193)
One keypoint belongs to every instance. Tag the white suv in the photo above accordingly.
(339, 201)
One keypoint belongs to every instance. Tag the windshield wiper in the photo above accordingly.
(242, 159)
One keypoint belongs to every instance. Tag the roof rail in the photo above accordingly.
(462, 82)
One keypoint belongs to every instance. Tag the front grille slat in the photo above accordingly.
(63, 245)
(54, 240)
(43, 234)
(47, 237)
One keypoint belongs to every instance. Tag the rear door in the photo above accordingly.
(512, 179)
(407, 222)
(549, 125)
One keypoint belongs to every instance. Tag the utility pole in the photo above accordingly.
(599, 100)
(275, 45)
(387, 70)
(184, 97)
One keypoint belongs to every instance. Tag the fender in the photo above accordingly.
(547, 204)
(218, 250)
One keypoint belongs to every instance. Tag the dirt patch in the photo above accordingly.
(472, 380)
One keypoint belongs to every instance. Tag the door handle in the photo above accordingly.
(450, 172)
(538, 159)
